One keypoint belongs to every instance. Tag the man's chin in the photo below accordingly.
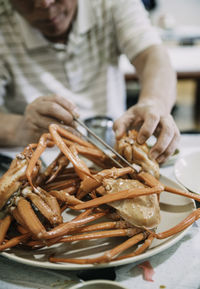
(56, 37)
(53, 32)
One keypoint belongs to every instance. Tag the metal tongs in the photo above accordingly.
(135, 167)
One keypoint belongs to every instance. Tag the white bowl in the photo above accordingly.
(98, 284)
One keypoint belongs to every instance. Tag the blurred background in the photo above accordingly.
(178, 23)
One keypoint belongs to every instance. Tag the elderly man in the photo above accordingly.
(60, 55)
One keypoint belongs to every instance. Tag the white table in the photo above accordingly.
(175, 268)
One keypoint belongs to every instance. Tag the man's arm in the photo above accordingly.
(9, 129)
(157, 78)
(151, 115)
(9, 123)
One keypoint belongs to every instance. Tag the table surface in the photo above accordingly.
(176, 267)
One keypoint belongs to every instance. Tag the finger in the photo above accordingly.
(55, 111)
(123, 123)
(170, 149)
(151, 121)
(165, 137)
(68, 105)
(119, 128)
(64, 102)
(72, 130)
(43, 122)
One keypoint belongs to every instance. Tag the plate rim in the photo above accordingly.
(176, 173)
(71, 267)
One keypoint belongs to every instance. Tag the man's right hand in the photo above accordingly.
(41, 113)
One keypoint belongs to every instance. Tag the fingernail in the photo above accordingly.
(141, 139)
(153, 155)
(161, 159)
(75, 112)
(117, 132)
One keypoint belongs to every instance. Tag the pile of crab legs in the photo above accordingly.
(34, 198)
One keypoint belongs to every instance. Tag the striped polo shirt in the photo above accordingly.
(85, 70)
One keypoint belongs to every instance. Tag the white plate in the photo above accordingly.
(187, 171)
(174, 209)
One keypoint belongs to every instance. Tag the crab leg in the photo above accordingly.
(21, 230)
(53, 215)
(182, 193)
(104, 226)
(102, 234)
(64, 177)
(106, 257)
(74, 224)
(36, 228)
(53, 169)
(65, 228)
(62, 184)
(16, 215)
(79, 165)
(92, 153)
(69, 190)
(9, 181)
(70, 136)
(52, 203)
(4, 226)
(90, 228)
(44, 141)
(81, 173)
(88, 184)
(29, 217)
(87, 151)
(122, 195)
(150, 180)
(55, 240)
(14, 241)
(64, 196)
(83, 215)
(139, 250)
(61, 163)
(194, 216)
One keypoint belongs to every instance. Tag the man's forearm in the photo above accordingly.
(157, 78)
(9, 127)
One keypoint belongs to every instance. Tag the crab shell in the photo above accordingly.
(142, 212)
(9, 182)
(12, 179)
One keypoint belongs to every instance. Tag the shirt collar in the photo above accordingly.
(85, 19)
(34, 39)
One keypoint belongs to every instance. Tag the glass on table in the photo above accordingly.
(102, 127)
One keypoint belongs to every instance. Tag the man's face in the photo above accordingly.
(51, 17)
